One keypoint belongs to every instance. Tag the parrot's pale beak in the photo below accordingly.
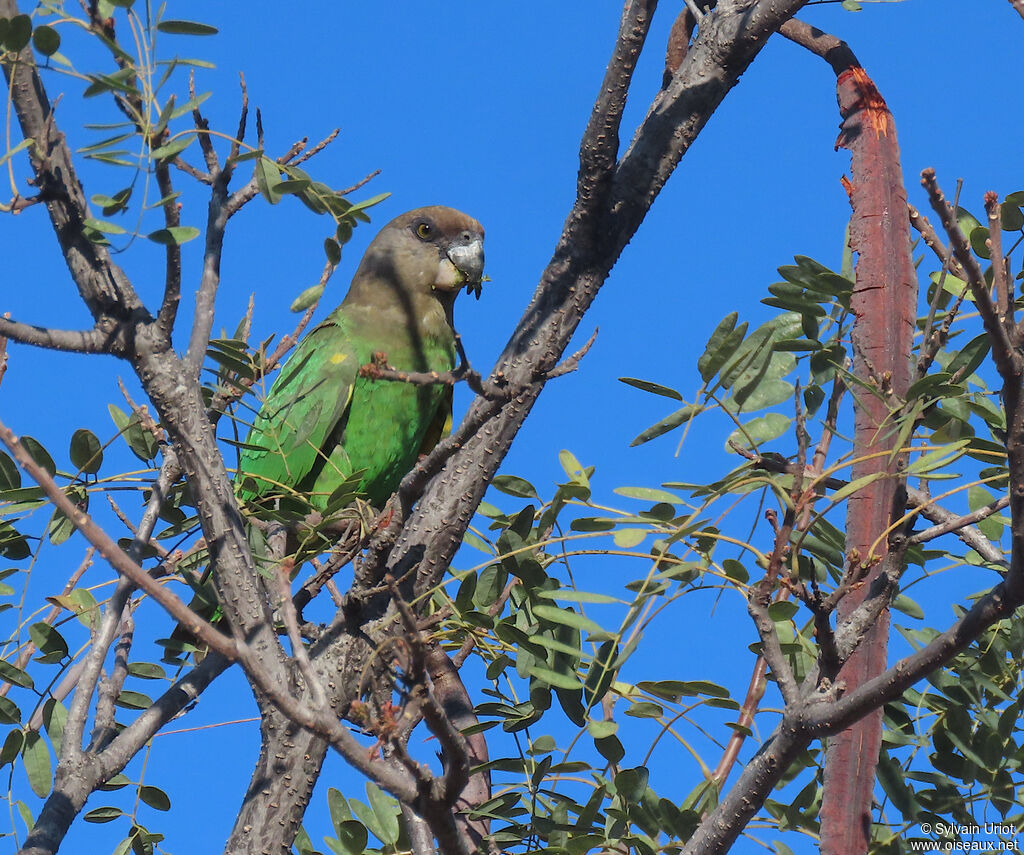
(463, 265)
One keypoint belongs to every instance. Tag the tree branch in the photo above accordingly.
(101, 339)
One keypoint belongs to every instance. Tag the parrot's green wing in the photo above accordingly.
(291, 436)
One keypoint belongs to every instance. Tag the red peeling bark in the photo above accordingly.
(884, 303)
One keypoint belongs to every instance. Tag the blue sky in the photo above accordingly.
(480, 106)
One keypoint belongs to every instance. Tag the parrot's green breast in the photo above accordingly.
(388, 423)
(322, 421)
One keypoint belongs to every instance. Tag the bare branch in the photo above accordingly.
(962, 525)
(103, 286)
(172, 251)
(101, 339)
(202, 323)
(242, 118)
(1004, 301)
(360, 183)
(1006, 357)
(202, 127)
(110, 688)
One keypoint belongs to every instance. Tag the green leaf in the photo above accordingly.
(856, 485)
(748, 359)
(154, 797)
(645, 709)
(38, 767)
(979, 242)
(46, 39)
(653, 388)
(86, 451)
(782, 611)
(103, 814)
(558, 679)
(103, 226)
(10, 475)
(146, 671)
(970, 356)
(173, 148)
(1012, 219)
(631, 784)
(19, 31)
(670, 422)
(49, 641)
(186, 28)
(174, 236)
(268, 176)
(610, 748)
(627, 538)
(140, 441)
(352, 836)
(55, 717)
(573, 468)
(12, 746)
(333, 251)
(760, 430)
(25, 143)
(307, 298)
(513, 485)
(648, 494)
(715, 352)
(133, 700)
(367, 203)
(9, 712)
(13, 545)
(367, 817)
(602, 728)
(338, 806)
(343, 234)
(600, 674)
(14, 675)
(566, 595)
(936, 459)
(673, 690)
(566, 617)
(735, 570)
(765, 393)
(188, 106)
(39, 454)
(385, 808)
(904, 604)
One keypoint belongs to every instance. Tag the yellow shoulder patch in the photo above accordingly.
(338, 358)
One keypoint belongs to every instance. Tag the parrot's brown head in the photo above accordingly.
(428, 251)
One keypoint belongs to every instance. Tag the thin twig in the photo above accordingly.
(172, 251)
(236, 145)
(291, 623)
(1004, 352)
(993, 211)
(202, 127)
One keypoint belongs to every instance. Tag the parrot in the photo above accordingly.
(323, 423)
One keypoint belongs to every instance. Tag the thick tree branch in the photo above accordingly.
(101, 283)
(100, 339)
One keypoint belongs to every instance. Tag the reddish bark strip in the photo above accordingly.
(884, 302)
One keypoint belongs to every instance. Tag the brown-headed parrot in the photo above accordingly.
(322, 421)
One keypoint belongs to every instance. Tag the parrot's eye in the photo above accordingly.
(424, 231)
